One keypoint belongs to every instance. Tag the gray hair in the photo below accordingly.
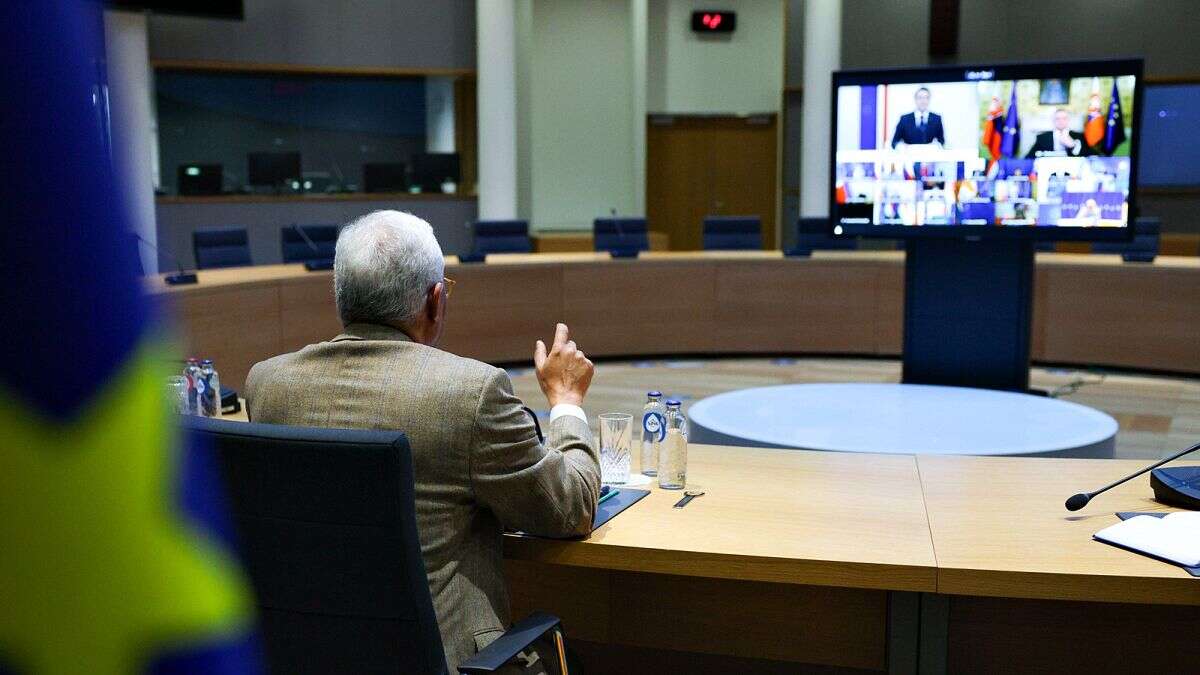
(384, 266)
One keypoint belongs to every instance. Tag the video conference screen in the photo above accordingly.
(1045, 151)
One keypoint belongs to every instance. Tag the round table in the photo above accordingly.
(902, 419)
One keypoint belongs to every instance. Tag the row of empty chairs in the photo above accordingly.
(230, 247)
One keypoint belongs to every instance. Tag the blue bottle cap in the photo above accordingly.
(654, 393)
(673, 402)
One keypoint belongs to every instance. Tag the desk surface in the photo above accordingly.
(999, 528)
(984, 526)
(268, 273)
(768, 515)
(955, 525)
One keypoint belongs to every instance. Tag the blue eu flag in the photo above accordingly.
(1114, 129)
(1010, 144)
(113, 557)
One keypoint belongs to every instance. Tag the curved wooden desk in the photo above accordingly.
(1088, 309)
(872, 562)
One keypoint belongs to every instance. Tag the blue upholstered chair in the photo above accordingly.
(296, 249)
(621, 236)
(325, 523)
(812, 234)
(1143, 248)
(732, 233)
(221, 247)
(502, 236)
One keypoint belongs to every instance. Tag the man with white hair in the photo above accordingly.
(479, 462)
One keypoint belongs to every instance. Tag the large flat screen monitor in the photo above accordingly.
(1042, 151)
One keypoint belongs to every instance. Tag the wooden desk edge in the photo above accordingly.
(805, 572)
(1180, 590)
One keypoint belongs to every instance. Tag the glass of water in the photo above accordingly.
(616, 436)
(177, 394)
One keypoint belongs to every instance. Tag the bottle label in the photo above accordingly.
(654, 427)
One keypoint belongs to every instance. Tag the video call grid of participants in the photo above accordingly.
(1051, 152)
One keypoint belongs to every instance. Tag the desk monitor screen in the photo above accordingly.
(199, 179)
(385, 177)
(273, 168)
(1041, 151)
(431, 169)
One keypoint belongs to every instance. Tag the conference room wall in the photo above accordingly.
(345, 33)
(734, 73)
(881, 33)
(578, 96)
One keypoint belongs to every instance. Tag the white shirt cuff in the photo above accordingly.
(567, 409)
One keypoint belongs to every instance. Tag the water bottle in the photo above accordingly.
(209, 390)
(672, 460)
(191, 372)
(654, 430)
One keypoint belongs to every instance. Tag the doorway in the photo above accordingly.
(702, 165)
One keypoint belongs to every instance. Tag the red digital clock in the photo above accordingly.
(714, 21)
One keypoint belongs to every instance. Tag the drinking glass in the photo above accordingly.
(616, 435)
(177, 394)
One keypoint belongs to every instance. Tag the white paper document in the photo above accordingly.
(1174, 537)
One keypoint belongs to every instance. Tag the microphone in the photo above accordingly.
(472, 255)
(1078, 501)
(177, 278)
(622, 250)
(312, 265)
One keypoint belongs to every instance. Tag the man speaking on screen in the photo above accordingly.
(1059, 141)
(919, 127)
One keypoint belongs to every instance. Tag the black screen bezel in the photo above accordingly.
(1007, 71)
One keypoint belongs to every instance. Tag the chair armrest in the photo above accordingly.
(520, 636)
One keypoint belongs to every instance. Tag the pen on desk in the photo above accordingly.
(612, 492)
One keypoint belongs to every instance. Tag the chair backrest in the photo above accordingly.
(620, 234)
(326, 526)
(502, 236)
(1145, 239)
(295, 249)
(221, 247)
(813, 234)
(732, 233)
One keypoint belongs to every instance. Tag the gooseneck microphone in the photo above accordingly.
(1076, 502)
(179, 277)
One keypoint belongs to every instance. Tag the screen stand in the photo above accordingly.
(967, 312)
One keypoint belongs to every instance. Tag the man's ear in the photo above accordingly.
(433, 302)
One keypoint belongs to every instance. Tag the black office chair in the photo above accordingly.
(732, 233)
(296, 248)
(1143, 248)
(502, 236)
(812, 234)
(221, 247)
(622, 237)
(326, 526)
